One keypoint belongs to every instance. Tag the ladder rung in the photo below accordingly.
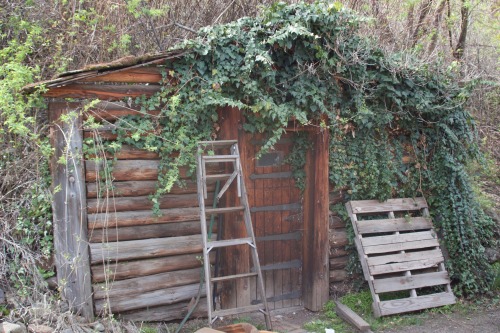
(218, 177)
(218, 143)
(225, 210)
(243, 309)
(230, 242)
(219, 158)
(231, 277)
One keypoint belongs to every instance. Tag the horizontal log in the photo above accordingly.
(143, 249)
(146, 231)
(338, 252)
(102, 91)
(338, 263)
(144, 217)
(121, 204)
(139, 285)
(336, 197)
(141, 187)
(127, 170)
(338, 275)
(338, 237)
(132, 269)
(335, 222)
(123, 170)
(133, 75)
(166, 312)
(149, 299)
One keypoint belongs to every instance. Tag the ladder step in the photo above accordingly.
(231, 277)
(243, 309)
(230, 242)
(219, 158)
(218, 143)
(225, 210)
(219, 176)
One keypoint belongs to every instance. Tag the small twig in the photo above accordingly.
(184, 27)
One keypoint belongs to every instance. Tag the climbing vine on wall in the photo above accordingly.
(301, 62)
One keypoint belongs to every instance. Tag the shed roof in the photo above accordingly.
(95, 70)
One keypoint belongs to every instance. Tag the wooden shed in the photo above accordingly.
(114, 255)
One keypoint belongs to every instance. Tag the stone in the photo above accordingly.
(99, 327)
(33, 328)
(7, 327)
(2, 297)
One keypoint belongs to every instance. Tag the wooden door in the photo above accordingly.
(275, 203)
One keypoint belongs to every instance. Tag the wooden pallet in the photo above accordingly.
(399, 252)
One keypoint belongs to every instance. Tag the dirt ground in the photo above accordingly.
(481, 319)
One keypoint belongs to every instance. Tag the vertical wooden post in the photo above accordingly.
(236, 259)
(69, 208)
(315, 270)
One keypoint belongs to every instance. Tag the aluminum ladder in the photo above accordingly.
(225, 153)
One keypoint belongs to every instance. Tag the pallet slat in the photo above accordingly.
(398, 238)
(391, 205)
(393, 225)
(411, 282)
(401, 246)
(416, 303)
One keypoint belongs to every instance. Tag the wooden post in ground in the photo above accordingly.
(69, 209)
(315, 270)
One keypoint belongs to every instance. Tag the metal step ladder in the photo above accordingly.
(225, 153)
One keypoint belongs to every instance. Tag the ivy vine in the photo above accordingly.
(304, 61)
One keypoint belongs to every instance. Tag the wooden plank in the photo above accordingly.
(145, 231)
(404, 257)
(102, 91)
(140, 188)
(145, 267)
(144, 217)
(69, 213)
(148, 299)
(391, 205)
(111, 115)
(134, 75)
(393, 225)
(271, 175)
(142, 284)
(121, 204)
(338, 275)
(146, 248)
(297, 235)
(123, 170)
(339, 263)
(275, 208)
(398, 238)
(411, 282)
(282, 265)
(405, 266)
(338, 237)
(416, 303)
(234, 260)
(127, 170)
(351, 317)
(166, 312)
(316, 207)
(401, 246)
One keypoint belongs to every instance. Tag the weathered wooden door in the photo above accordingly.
(277, 218)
